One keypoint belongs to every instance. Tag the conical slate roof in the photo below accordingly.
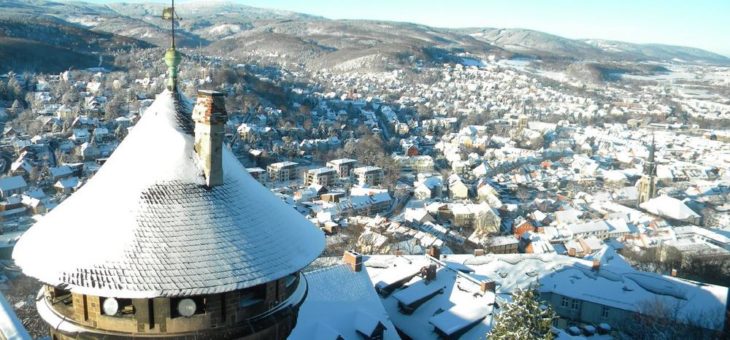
(146, 226)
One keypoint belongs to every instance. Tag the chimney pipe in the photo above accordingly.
(210, 117)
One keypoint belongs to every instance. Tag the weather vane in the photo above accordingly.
(172, 56)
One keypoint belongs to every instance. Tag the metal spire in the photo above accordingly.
(172, 18)
(651, 150)
(172, 56)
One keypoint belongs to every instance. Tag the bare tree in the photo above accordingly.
(659, 319)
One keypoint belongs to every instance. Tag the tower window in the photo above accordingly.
(61, 296)
(252, 296)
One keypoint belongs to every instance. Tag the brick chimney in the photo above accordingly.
(210, 117)
(485, 286)
(353, 260)
(596, 264)
(478, 252)
(674, 272)
(434, 252)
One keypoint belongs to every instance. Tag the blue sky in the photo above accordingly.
(695, 23)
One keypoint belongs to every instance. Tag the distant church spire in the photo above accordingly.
(647, 183)
(650, 167)
(172, 56)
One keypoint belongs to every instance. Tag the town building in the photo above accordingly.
(436, 296)
(369, 175)
(12, 185)
(503, 245)
(256, 173)
(282, 171)
(320, 176)
(342, 166)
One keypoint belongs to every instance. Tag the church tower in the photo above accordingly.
(647, 183)
(171, 239)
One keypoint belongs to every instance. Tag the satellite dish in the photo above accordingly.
(111, 306)
(186, 307)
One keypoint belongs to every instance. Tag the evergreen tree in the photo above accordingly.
(525, 318)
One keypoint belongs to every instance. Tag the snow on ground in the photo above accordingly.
(85, 21)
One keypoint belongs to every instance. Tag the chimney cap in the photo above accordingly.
(210, 108)
(212, 93)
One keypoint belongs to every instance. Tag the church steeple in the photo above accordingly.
(650, 166)
(172, 56)
(647, 183)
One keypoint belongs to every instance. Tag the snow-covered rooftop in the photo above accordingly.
(459, 296)
(12, 183)
(671, 207)
(146, 226)
(343, 301)
(615, 284)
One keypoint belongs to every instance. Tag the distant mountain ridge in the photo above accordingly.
(319, 43)
(545, 44)
(33, 40)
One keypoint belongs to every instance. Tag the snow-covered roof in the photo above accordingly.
(460, 292)
(618, 285)
(366, 169)
(146, 226)
(63, 170)
(667, 206)
(589, 227)
(458, 317)
(342, 300)
(281, 165)
(321, 171)
(12, 183)
(615, 284)
(342, 161)
(67, 183)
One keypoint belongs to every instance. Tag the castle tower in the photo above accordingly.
(153, 247)
(172, 238)
(647, 182)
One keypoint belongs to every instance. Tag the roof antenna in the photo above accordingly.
(172, 56)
